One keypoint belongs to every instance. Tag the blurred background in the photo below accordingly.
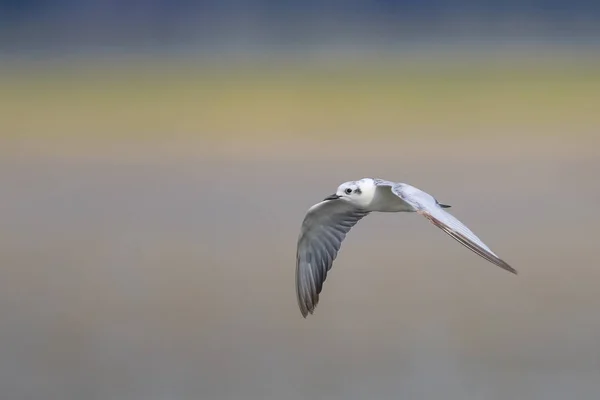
(157, 159)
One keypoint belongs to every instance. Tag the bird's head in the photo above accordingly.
(359, 192)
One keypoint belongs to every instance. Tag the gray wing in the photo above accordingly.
(324, 228)
(428, 207)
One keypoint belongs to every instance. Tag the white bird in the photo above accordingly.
(326, 224)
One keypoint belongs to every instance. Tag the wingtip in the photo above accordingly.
(305, 310)
(509, 268)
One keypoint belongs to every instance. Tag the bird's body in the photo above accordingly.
(327, 223)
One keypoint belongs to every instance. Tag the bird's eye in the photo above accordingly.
(348, 191)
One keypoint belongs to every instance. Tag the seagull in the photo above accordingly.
(326, 224)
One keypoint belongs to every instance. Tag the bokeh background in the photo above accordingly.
(157, 159)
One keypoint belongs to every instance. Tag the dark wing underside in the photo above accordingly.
(323, 230)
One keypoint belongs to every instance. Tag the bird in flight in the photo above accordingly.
(326, 224)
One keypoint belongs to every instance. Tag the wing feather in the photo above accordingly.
(323, 230)
(427, 206)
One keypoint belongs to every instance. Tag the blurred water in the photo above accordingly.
(213, 28)
(173, 279)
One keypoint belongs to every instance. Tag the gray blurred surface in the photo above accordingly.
(174, 279)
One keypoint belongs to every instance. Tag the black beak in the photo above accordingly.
(332, 197)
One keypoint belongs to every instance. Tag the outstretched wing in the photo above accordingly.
(324, 228)
(428, 207)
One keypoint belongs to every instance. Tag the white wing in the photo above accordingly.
(324, 228)
(428, 206)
